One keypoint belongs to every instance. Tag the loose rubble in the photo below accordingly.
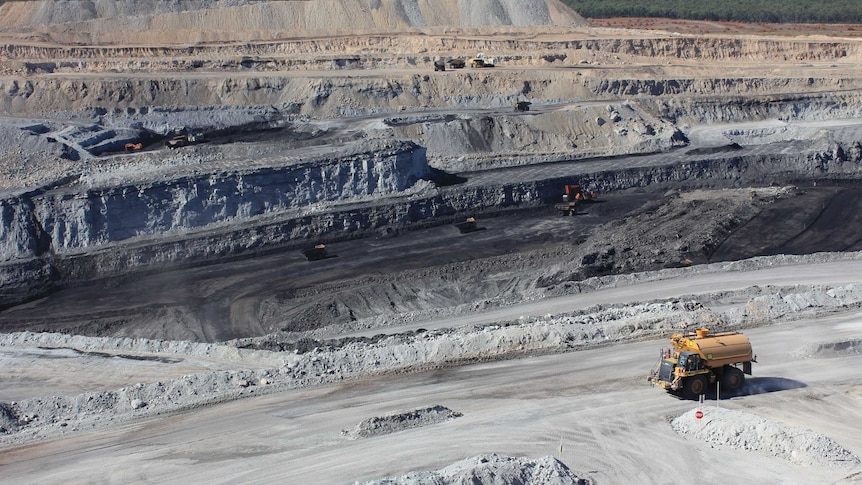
(399, 421)
(493, 469)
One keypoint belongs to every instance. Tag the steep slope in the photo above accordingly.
(184, 21)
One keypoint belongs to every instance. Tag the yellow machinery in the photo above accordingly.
(697, 361)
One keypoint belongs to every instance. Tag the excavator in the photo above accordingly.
(575, 195)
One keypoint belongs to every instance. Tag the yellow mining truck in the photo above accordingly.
(699, 360)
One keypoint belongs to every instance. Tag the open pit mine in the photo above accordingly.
(355, 223)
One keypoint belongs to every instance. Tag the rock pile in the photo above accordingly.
(736, 429)
(493, 469)
(394, 422)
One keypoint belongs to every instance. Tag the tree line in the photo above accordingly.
(778, 11)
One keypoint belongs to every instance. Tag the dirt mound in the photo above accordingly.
(400, 421)
(493, 469)
(851, 346)
(27, 157)
(41, 13)
(735, 429)
(179, 22)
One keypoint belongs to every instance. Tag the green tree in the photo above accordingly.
(787, 11)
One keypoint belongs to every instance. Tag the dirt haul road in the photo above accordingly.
(592, 409)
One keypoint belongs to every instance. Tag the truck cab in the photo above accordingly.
(688, 362)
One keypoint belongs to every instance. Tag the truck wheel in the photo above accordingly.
(694, 387)
(732, 379)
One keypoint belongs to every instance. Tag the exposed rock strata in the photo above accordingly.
(168, 231)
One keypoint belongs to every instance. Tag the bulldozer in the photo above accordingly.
(573, 197)
(697, 361)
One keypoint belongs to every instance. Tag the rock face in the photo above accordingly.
(75, 217)
(70, 220)
(90, 229)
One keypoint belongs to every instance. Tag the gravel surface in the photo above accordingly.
(333, 361)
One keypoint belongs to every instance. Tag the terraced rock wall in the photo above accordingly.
(74, 218)
(45, 246)
(378, 51)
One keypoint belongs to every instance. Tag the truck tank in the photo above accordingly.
(715, 350)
